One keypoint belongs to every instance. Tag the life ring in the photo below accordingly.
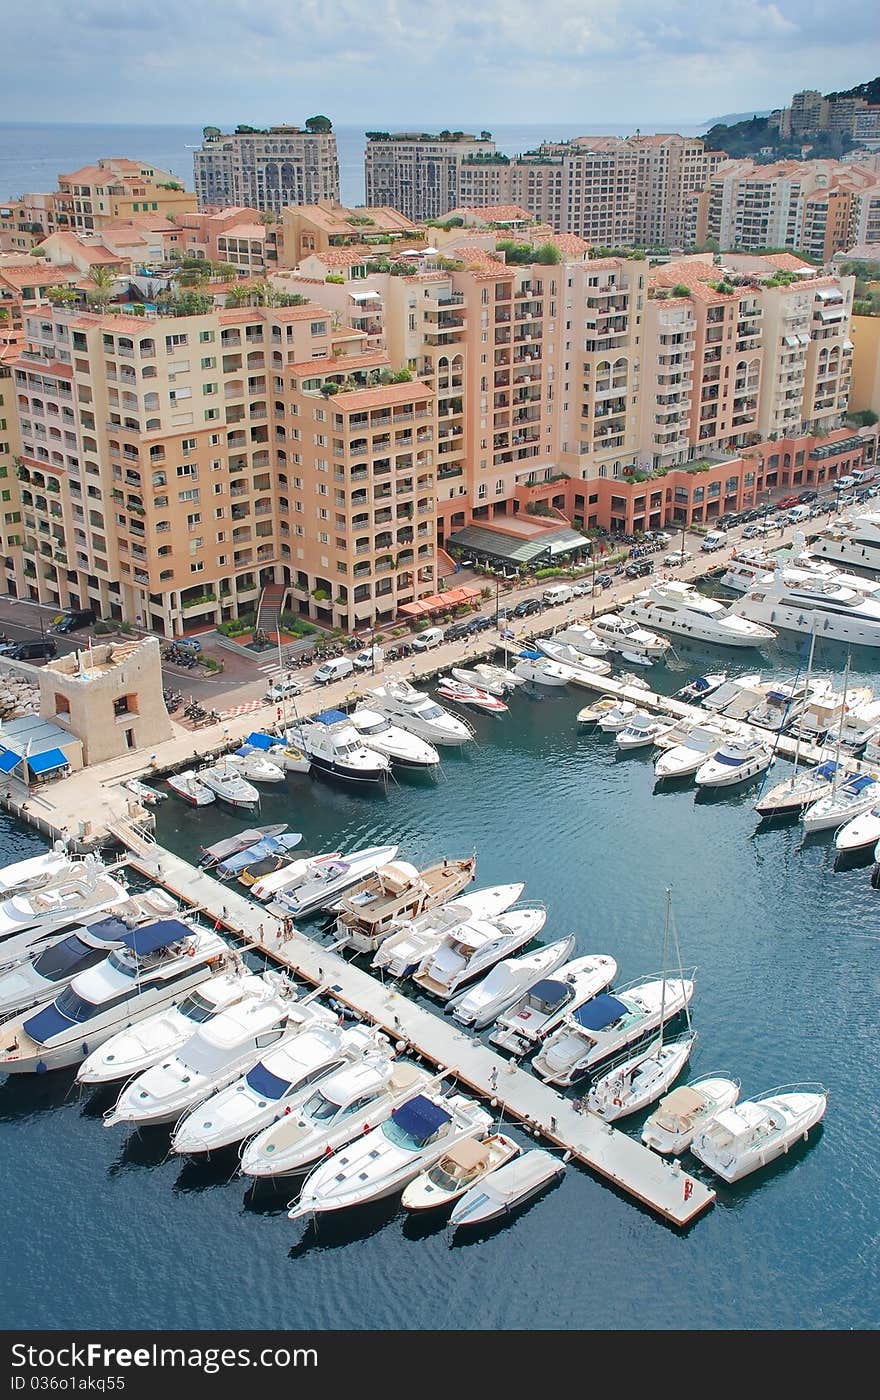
(618, 1103)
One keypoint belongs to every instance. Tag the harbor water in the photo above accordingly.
(104, 1229)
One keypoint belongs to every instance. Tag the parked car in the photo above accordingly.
(843, 483)
(807, 497)
(72, 620)
(749, 515)
(527, 607)
(846, 500)
(638, 568)
(787, 502)
(677, 558)
(431, 637)
(659, 536)
(582, 589)
(481, 623)
(750, 532)
(33, 651)
(604, 580)
(453, 633)
(873, 491)
(282, 687)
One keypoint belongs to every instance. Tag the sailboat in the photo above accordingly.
(796, 792)
(850, 793)
(640, 1079)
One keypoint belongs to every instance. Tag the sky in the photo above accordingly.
(386, 63)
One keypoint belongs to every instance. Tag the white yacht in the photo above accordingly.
(784, 702)
(702, 686)
(465, 694)
(415, 711)
(395, 894)
(622, 634)
(584, 669)
(507, 982)
(90, 890)
(795, 602)
(684, 758)
(608, 1024)
(189, 786)
(584, 639)
(405, 749)
(334, 747)
(474, 947)
(212, 1057)
(672, 606)
(618, 716)
(255, 765)
(739, 1140)
(416, 1135)
(132, 1051)
(327, 1116)
(254, 1100)
(507, 1188)
(844, 800)
(539, 669)
(640, 1079)
(735, 761)
(271, 885)
(290, 757)
(493, 685)
(167, 961)
(37, 871)
(535, 1015)
(749, 567)
(851, 540)
(799, 790)
(739, 694)
(403, 951)
(643, 730)
(859, 832)
(497, 675)
(227, 784)
(671, 1127)
(591, 714)
(460, 1169)
(143, 908)
(324, 883)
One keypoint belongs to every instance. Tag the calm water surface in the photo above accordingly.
(105, 1232)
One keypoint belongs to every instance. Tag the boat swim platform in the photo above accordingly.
(663, 1187)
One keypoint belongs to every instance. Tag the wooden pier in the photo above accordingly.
(664, 1187)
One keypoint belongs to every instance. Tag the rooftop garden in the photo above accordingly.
(426, 136)
(526, 253)
(633, 254)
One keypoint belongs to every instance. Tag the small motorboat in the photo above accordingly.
(534, 1016)
(736, 761)
(336, 749)
(739, 1140)
(273, 848)
(190, 788)
(254, 765)
(858, 793)
(289, 757)
(684, 758)
(231, 845)
(325, 881)
(507, 1188)
(271, 885)
(229, 785)
(618, 717)
(462, 1167)
(641, 1079)
(474, 678)
(643, 730)
(149, 796)
(799, 790)
(464, 694)
(682, 1113)
(591, 714)
(496, 675)
(403, 748)
(403, 951)
(859, 832)
(584, 669)
(702, 686)
(507, 981)
(540, 670)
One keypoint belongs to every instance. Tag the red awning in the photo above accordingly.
(437, 601)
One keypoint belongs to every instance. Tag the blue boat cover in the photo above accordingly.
(264, 1082)
(47, 1023)
(153, 936)
(109, 930)
(8, 760)
(330, 717)
(258, 851)
(602, 1011)
(730, 759)
(826, 770)
(550, 991)
(698, 685)
(859, 783)
(532, 655)
(48, 762)
(257, 740)
(420, 1118)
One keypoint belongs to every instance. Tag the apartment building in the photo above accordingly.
(231, 235)
(266, 169)
(117, 188)
(419, 174)
(816, 207)
(315, 228)
(865, 331)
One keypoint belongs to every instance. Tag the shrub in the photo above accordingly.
(681, 290)
(102, 628)
(335, 277)
(210, 664)
(548, 253)
(320, 595)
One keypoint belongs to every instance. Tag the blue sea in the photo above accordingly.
(32, 156)
(106, 1230)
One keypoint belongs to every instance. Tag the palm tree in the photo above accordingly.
(103, 280)
(238, 295)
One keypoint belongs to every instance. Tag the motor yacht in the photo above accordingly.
(640, 1080)
(48, 868)
(495, 686)
(451, 689)
(379, 1164)
(132, 1051)
(622, 634)
(143, 908)
(265, 1091)
(231, 845)
(643, 730)
(591, 714)
(584, 639)
(684, 758)
(255, 765)
(325, 1117)
(507, 1188)
(784, 701)
(618, 717)
(465, 1165)
(539, 669)
(859, 832)
(290, 757)
(403, 951)
(271, 885)
(749, 567)
(851, 540)
(672, 606)
(794, 601)
(416, 712)
(213, 1056)
(229, 785)
(799, 790)
(335, 748)
(475, 946)
(496, 675)
(273, 848)
(163, 962)
(671, 1127)
(739, 1140)
(584, 669)
(736, 761)
(506, 983)
(394, 894)
(738, 694)
(537, 1013)
(190, 787)
(608, 1024)
(402, 748)
(845, 799)
(326, 880)
(90, 890)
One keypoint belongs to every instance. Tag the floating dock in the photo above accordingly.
(663, 1187)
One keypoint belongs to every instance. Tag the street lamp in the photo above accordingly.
(497, 593)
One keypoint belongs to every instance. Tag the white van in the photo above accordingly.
(799, 513)
(716, 539)
(559, 593)
(862, 475)
(334, 670)
(431, 637)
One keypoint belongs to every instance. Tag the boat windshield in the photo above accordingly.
(318, 1108)
(376, 728)
(400, 1137)
(74, 1007)
(265, 1083)
(450, 1175)
(432, 711)
(196, 1008)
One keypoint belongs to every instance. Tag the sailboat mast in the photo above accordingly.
(840, 727)
(665, 957)
(281, 680)
(797, 747)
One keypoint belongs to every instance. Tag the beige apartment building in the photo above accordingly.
(266, 169)
(316, 228)
(418, 173)
(91, 198)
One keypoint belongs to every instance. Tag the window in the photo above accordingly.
(204, 337)
(188, 495)
(209, 388)
(186, 469)
(173, 341)
(208, 361)
(125, 705)
(197, 567)
(319, 327)
(211, 414)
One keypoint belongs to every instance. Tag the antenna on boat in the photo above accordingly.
(797, 747)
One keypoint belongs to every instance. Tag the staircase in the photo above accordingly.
(270, 607)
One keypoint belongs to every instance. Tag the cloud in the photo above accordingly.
(600, 61)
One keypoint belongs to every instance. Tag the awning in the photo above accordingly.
(831, 313)
(437, 601)
(514, 549)
(8, 760)
(149, 938)
(829, 294)
(365, 296)
(258, 740)
(48, 762)
(792, 341)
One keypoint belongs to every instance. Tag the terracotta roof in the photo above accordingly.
(354, 400)
(38, 274)
(347, 257)
(497, 213)
(339, 219)
(55, 369)
(242, 231)
(337, 364)
(569, 243)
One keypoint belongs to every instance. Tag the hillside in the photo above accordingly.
(746, 138)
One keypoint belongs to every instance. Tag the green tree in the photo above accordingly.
(318, 124)
(102, 280)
